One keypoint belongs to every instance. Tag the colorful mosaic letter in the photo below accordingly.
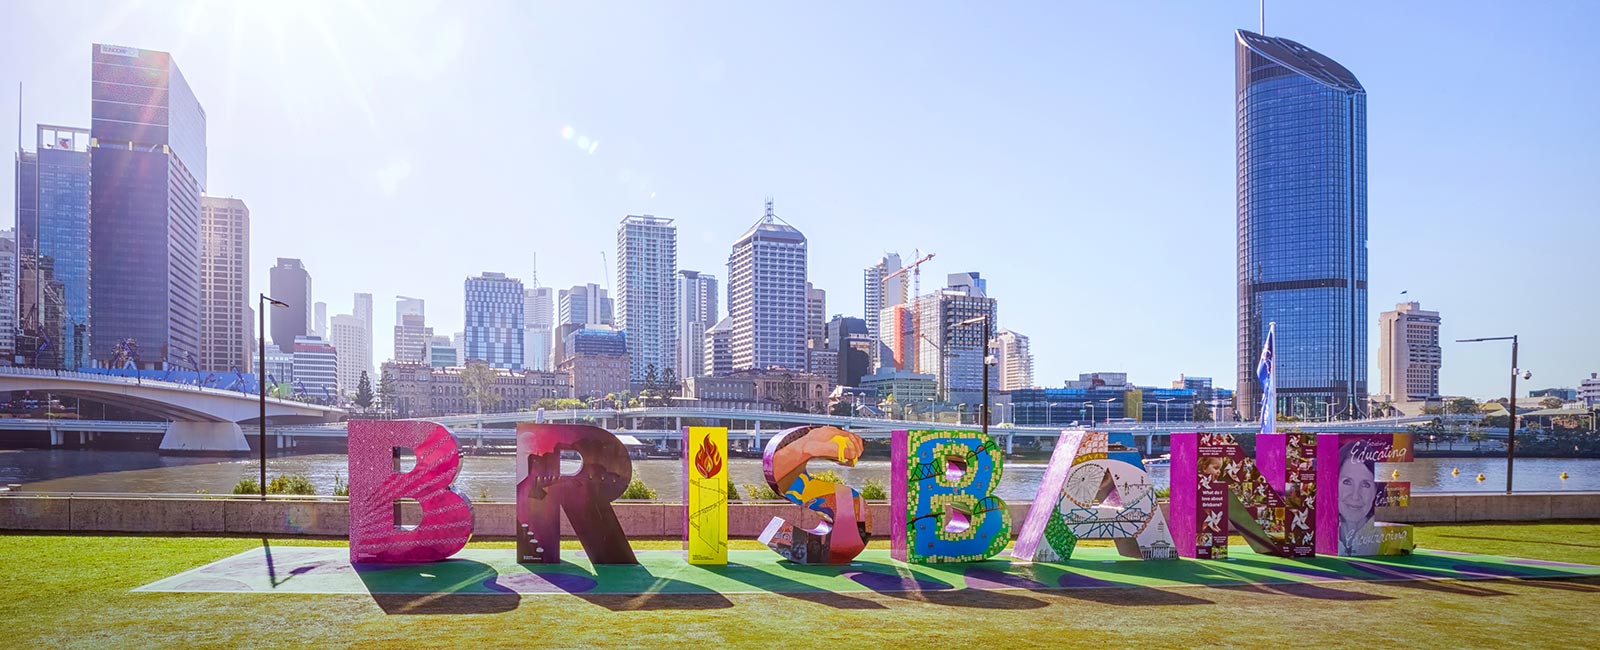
(543, 492)
(1269, 498)
(705, 500)
(845, 526)
(942, 501)
(376, 486)
(1088, 492)
(1351, 494)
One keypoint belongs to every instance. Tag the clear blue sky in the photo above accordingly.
(1078, 154)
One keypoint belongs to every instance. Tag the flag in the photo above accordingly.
(1265, 372)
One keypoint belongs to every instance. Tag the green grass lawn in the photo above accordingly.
(74, 591)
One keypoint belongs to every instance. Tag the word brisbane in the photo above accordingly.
(1299, 495)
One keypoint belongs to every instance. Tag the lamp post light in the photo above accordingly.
(984, 414)
(1162, 414)
(1108, 402)
(261, 382)
(1511, 428)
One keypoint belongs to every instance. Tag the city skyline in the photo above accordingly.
(1409, 219)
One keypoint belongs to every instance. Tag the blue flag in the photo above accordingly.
(1265, 372)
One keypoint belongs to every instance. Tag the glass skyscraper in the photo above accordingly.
(147, 171)
(494, 324)
(1302, 145)
(53, 249)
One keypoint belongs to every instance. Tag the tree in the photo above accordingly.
(841, 408)
(1202, 412)
(1463, 406)
(670, 383)
(364, 391)
(477, 379)
(386, 390)
(1551, 403)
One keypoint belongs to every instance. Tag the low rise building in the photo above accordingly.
(595, 360)
(420, 390)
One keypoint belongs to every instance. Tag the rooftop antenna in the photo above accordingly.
(19, 123)
(1263, 17)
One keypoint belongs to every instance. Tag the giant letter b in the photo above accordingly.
(376, 484)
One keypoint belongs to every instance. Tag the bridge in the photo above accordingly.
(755, 426)
(196, 417)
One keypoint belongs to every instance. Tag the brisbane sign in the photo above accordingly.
(1299, 495)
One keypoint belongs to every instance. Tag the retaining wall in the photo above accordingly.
(243, 516)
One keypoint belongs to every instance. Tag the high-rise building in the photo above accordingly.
(538, 326)
(848, 335)
(279, 365)
(8, 295)
(316, 368)
(319, 319)
(1302, 227)
(353, 345)
(816, 317)
(647, 258)
(718, 359)
(290, 283)
(1015, 361)
(952, 352)
(404, 305)
(697, 313)
(880, 294)
(1409, 355)
(147, 166)
(411, 334)
(494, 320)
(52, 271)
(363, 311)
(585, 304)
(226, 325)
(767, 295)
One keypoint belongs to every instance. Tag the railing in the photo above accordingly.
(140, 381)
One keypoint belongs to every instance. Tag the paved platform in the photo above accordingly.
(327, 570)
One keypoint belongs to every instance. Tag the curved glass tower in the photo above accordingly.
(1302, 145)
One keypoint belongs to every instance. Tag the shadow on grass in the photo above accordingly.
(650, 593)
(447, 587)
(787, 588)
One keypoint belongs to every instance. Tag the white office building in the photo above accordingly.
(880, 295)
(767, 296)
(1015, 361)
(697, 313)
(647, 259)
(538, 325)
(226, 325)
(353, 345)
(1409, 354)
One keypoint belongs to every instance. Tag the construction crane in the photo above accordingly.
(916, 298)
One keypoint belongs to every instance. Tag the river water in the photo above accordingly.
(491, 477)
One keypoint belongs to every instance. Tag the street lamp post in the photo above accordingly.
(985, 320)
(1163, 413)
(1108, 402)
(261, 382)
(1511, 428)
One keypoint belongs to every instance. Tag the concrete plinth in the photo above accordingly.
(204, 437)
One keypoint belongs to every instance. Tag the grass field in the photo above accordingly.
(74, 591)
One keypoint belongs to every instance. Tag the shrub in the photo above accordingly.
(247, 485)
(483, 493)
(827, 475)
(873, 491)
(760, 492)
(290, 484)
(1163, 493)
(733, 492)
(638, 490)
(340, 487)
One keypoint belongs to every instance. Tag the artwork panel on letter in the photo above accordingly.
(377, 485)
